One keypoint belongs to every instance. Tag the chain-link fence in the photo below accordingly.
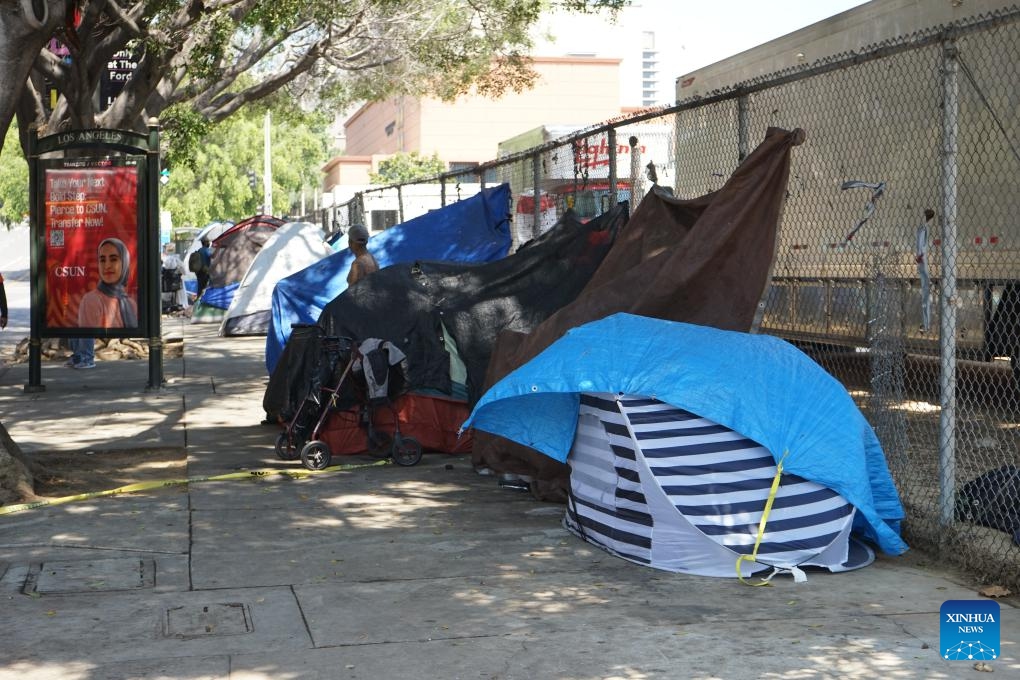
(898, 258)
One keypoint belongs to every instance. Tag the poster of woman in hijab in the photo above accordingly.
(108, 305)
(91, 245)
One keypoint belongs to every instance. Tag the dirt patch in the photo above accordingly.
(68, 473)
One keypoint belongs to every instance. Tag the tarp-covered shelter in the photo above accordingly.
(681, 429)
(704, 260)
(233, 252)
(475, 229)
(445, 318)
(292, 247)
(666, 488)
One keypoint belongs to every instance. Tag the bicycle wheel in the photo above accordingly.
(315, 455)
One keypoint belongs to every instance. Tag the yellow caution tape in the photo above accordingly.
(761, 524)
(144, 486)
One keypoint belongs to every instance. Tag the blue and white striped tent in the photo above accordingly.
(677, 420)
(663, 487)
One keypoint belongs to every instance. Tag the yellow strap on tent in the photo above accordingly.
(144, 486)
(761, 524)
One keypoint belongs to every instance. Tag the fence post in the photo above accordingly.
(442, 191)
(637, 192)
(743, 128)
(400, 204)
(614, 197)
(948, 298)
(536, 184)
(359, 209)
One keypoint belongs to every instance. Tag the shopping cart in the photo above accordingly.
(300, 438)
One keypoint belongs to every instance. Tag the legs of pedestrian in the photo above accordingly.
(84, 353)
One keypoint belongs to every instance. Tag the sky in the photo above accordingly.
(709, 31)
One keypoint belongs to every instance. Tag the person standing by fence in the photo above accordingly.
(3, 304)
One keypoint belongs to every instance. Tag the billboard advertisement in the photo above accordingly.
(90, 244)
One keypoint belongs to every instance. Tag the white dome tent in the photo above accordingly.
(291, 248)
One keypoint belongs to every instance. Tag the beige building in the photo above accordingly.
(570, 90)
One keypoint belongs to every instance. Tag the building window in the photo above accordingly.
(648, 40)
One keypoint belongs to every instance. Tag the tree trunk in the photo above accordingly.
(16, 477)
(23, 34)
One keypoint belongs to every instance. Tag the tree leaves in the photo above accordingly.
(217, 57)
(406, 167)
(209, 182)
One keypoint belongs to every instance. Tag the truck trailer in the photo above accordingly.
(904, 197)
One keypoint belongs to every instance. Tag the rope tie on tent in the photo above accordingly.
(761, 528)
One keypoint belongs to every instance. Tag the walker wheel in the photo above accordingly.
(406, 450)
(315, 455)
(284, 449)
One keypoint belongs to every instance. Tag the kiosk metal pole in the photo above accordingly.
(152, 259)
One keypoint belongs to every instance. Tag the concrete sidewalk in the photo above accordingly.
(386, 572)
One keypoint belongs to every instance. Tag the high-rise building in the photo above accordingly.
(636, 36)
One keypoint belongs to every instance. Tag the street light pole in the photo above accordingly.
(267, 173)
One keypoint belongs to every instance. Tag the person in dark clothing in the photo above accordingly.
(3, 304)
(202, 274)
(1003, 332)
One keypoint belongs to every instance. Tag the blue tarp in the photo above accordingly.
(220, 297)
(760, 386)
(475, 229)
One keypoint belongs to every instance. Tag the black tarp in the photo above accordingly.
(409, 304)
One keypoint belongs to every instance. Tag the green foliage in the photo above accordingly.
(13, 180)
(211, 183)
(407, 167)
(211, 59)
(207, 58)
(183, 130)
(591, 6)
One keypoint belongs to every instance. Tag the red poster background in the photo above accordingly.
(83, 206)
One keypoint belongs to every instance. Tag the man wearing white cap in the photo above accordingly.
(364, 264)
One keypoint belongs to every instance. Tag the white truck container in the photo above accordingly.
(919, 96)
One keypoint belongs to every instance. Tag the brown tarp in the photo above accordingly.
(704, 261)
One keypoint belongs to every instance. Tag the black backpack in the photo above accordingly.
(993, 500)
(196, 262)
